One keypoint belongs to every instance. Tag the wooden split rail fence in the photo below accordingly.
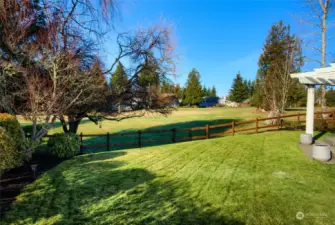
(231, 130)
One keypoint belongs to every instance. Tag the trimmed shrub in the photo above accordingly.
(64, 145)
(321, 125)
(12, 127)
(293, 125)
(219, 105)
(9, 154)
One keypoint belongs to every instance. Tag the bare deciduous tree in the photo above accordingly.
(154, 47)
(47, 71)
(319, 11)
(50, 62)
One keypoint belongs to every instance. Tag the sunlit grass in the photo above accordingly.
(247, 179)
(181, 118)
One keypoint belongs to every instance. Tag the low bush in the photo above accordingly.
(293, 125)
(219, 105)
(12, 127)
(9, 154)
(64, 145)
(321, 125)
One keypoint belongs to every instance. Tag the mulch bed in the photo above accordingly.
(13, 181)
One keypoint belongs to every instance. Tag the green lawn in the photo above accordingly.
(181, 118)
(247, 179)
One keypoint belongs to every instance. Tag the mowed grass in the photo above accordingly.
(247, 179)
(179, 119)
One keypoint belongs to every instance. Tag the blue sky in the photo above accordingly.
(217, 37)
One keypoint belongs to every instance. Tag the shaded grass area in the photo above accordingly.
(182, 118)
(181, 115)
(179, 119)
(14, 180)
(248, 179)
(152, 136)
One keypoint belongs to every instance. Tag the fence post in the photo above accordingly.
(173, 135)
(190, 134)
(298, 117)
(333, 119)
(81, 143)
(140, 138)
(207, 131)
(279, 123)
(108, 145)
(256, 125)
(233, 127)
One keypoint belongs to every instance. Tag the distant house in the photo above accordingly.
(209, 102)
(170, 100)
(231, 104)
(223, 100)
(245, 103)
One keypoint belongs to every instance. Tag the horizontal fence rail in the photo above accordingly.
(208, 131)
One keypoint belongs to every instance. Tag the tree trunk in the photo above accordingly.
(74, 122)
(273, 113)
(73, 126)
(64, 125)
(323, 51)
(323, 98)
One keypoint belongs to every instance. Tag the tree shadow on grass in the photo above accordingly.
(321, 134)
(58, 124)
(101, 189)
(133, 139)
(295, 109)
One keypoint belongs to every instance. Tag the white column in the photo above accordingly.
(310, 109)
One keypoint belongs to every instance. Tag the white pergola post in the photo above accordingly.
(319, 76)
(310, 109)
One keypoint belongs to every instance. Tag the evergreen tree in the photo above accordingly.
(257, 94)
(148, 76)
(251, 87)
(165, 88)
(119, 82)
(179, 91)
(330, 97)
(193, 90)
(213, 92)
(239, 89)
(119, 78)
(281, 56)
(297, 94)
(204, 91)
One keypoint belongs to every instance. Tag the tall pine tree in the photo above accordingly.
(281, 56)
(239, 90)
(193, 90)
(204, 91)
(119, 82)
(148, 76)
(213, 92)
